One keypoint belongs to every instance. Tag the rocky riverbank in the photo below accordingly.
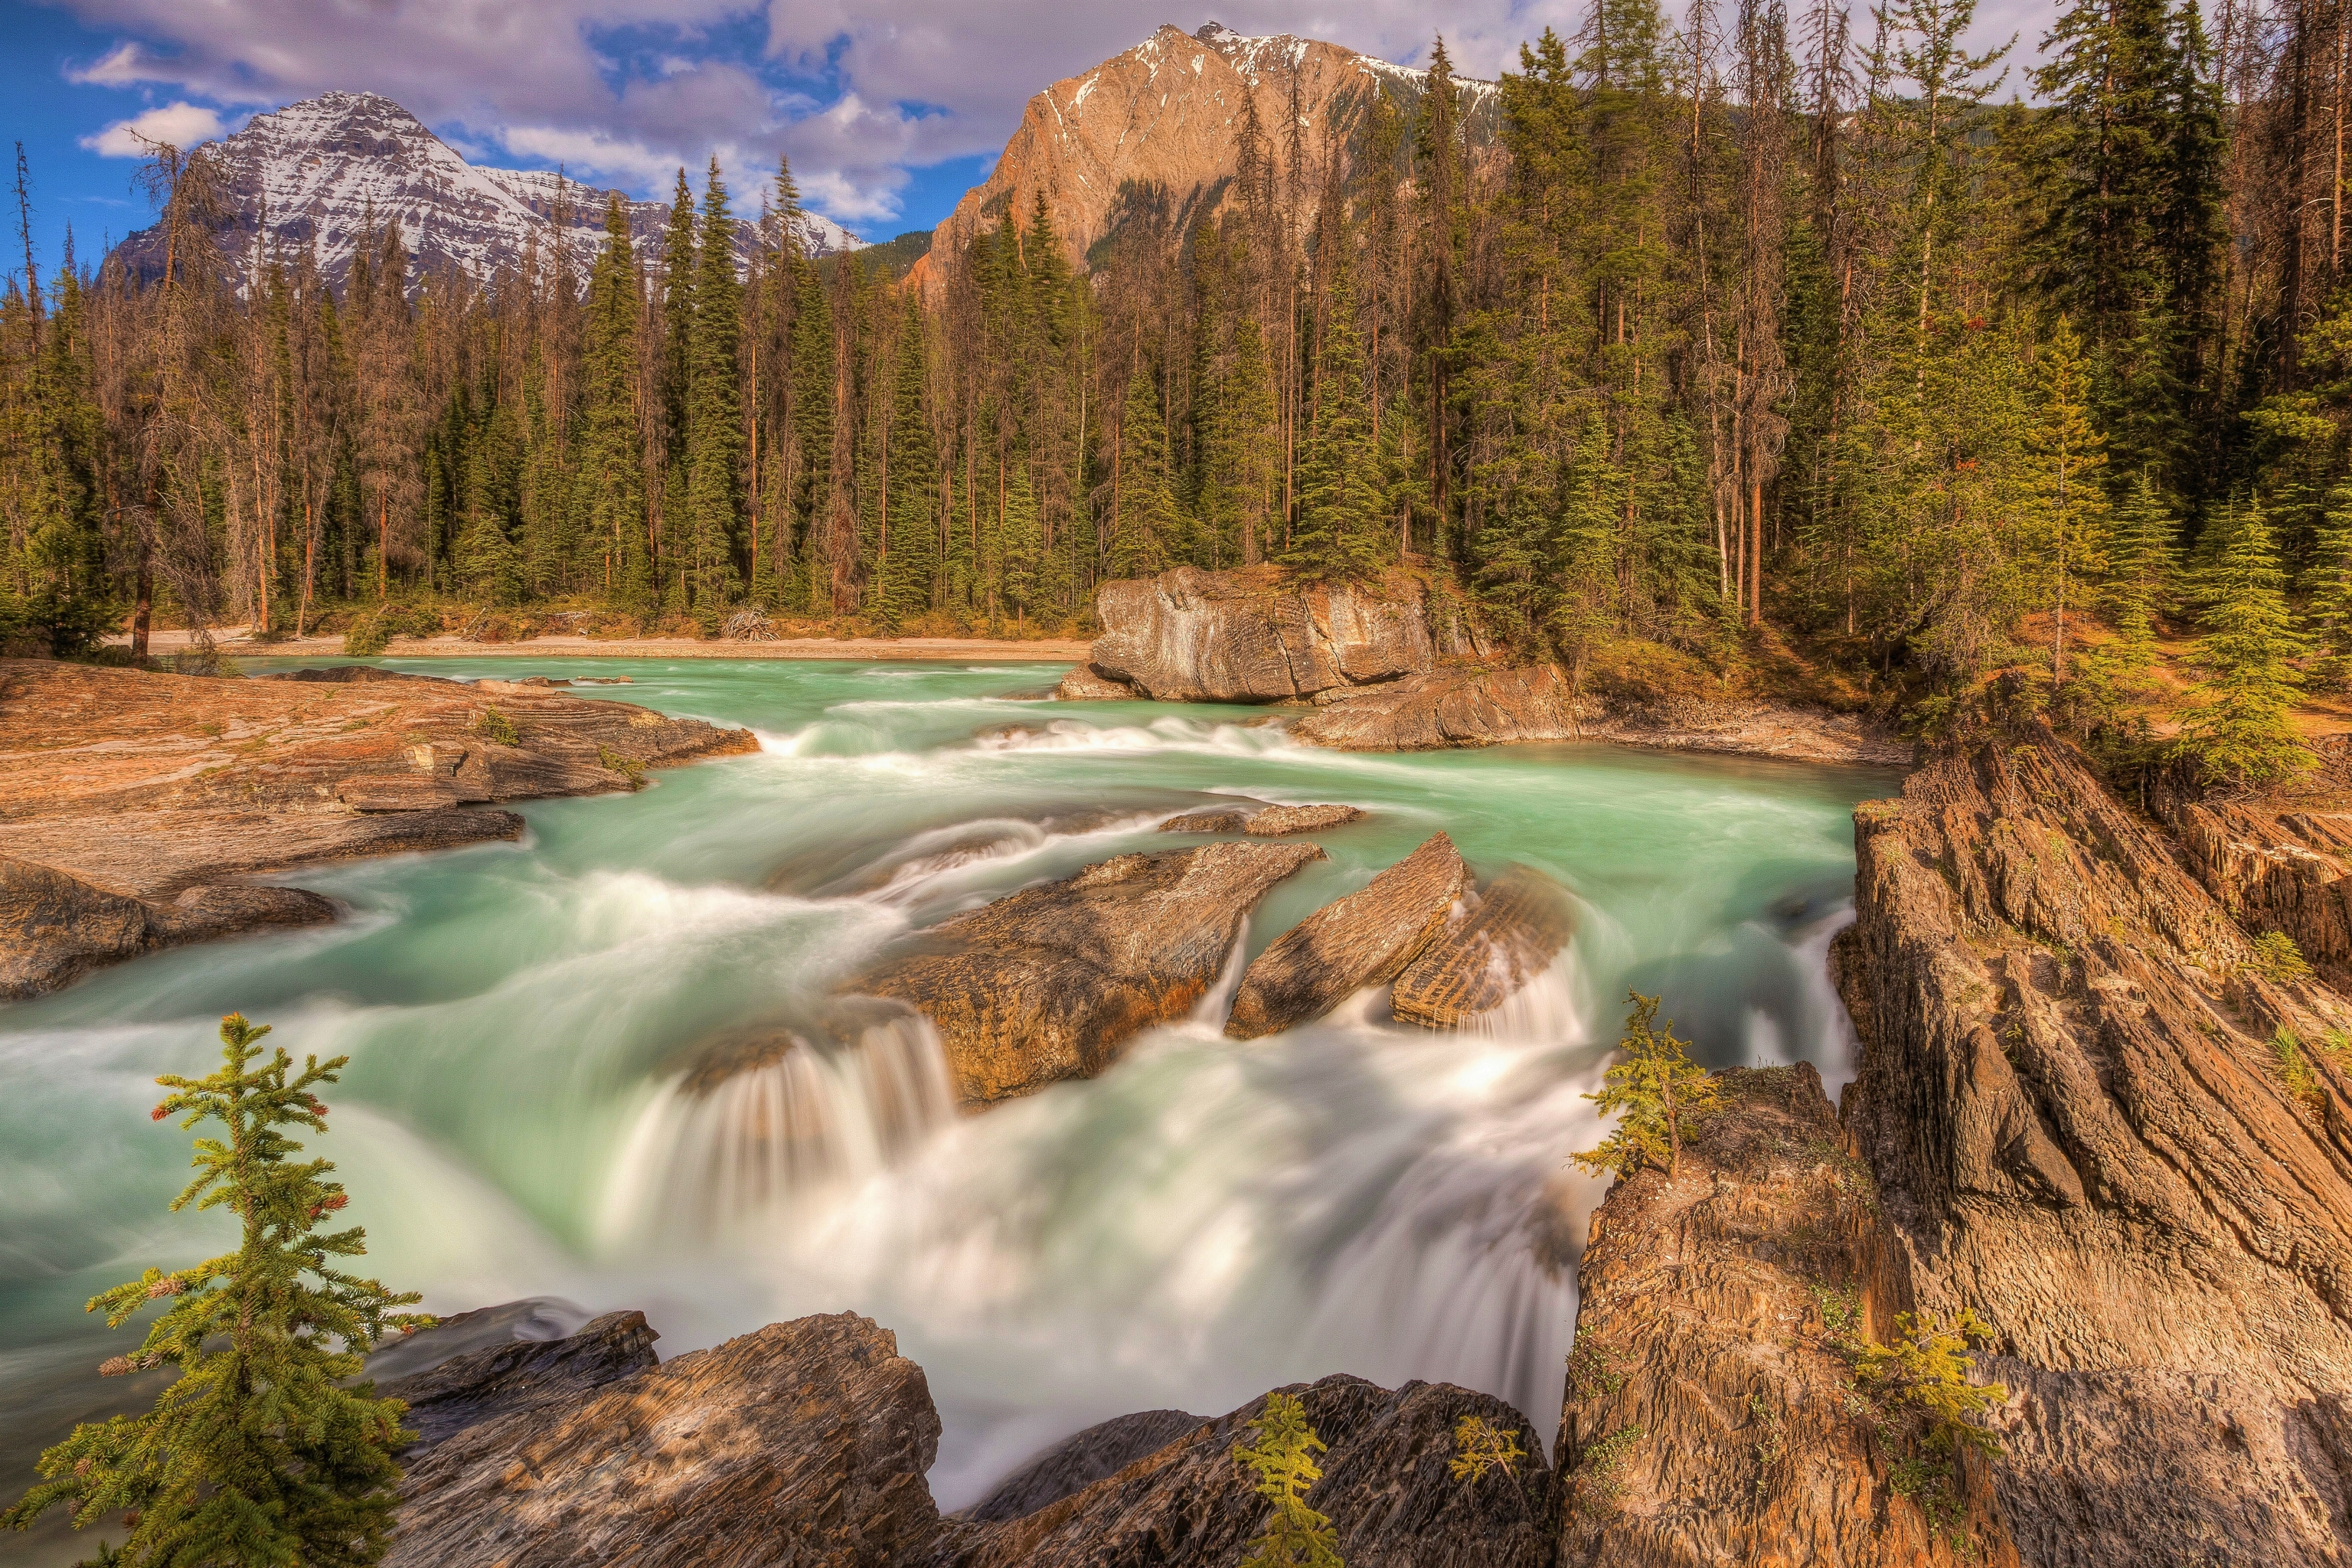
(1397, 668)
(132, 804)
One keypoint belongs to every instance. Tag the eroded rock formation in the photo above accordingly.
(1190, 635)
(1708, 1415)
(2100, 1118)
(807, 1443)
(158, 789)
(1048, 982)
(1263, 821)
(1364, 938)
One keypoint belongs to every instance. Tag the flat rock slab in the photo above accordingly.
(1265, 821)
(1047, 984)
(1502, 937)
(1365, 939)
(1446, 708)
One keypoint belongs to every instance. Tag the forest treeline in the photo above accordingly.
(1761, 317)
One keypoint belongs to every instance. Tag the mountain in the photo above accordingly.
(1158, 128)
(317, 167)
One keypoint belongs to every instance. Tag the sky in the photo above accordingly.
(889, 110)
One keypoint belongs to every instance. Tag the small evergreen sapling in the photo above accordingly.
(1657, 1091)
(261, 1452)
(1283, 1459)
(2244, 732)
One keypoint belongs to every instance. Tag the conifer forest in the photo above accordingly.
(1770, 326)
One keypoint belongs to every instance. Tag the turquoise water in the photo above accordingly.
(1208, 1219)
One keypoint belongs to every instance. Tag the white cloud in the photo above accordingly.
(181, 124)
(593, 152)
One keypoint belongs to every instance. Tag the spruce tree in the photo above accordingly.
(2071, 460)
(1144, 521)
(2243, 732)
(910, 556)
(1342, 516)
(2139, 570)
(612, 461)
(265, 1451)
(2327, 586)
(1657, 1091)
(714, 456)
(674, 374)
(1283, 1460)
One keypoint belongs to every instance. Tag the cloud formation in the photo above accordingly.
(181, 124)
(856, 91)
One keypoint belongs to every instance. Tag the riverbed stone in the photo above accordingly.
(1485, 952)
(55, 927)
(1446, 708)
(1050, 982)
(1191, 636)
(1276, 821)
(1365, 939)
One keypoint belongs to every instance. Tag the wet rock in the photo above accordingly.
(1215, 820)
(2073, 1092)
(1387, 1487)
(1048, 982)
(1277, 821)
(1446, 708)
(1190, 635)
(145, 784)
(1493, 944)
(1085, 684)
(1706, 1392)
(1365, 939)
(1079, 1460)
(518, 1376)
(804, 1443)
(55, 927)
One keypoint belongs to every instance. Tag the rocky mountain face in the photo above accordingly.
(1154, 134)
(311, 173)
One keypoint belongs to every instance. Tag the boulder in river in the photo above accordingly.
(1364, 938)
(1190, 635)
(1491, 946)
(806, 1443)
(1446, 708)
(1048, 982)
(1263, 821)
(53, 926)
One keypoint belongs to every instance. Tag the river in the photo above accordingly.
(1207, 1220)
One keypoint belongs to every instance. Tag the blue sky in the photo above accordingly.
(888, 109)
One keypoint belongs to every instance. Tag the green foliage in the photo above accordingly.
(265, 1450)
(2278, 960)
(2243, 732)
(1600, 1474)
(1592, 1371)
(1926, 1370)
(367, 637)
(1283, 1459)
(627, 767)
(1656, 1092)
(497, 728)
(1479, 1447)
(2294, 1066)
(1342, 524)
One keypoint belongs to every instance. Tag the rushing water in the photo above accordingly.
(526, 1111)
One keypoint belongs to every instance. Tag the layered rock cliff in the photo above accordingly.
(2103, 1118)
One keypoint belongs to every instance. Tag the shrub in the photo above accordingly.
(628, 768)
(2294, 1066)
(1919, 1388)
(367, 637)
(497, 728)
(1284, 1459)
(1657, 1089)
(1479, 1447)
(2278, 960)
(265, 1450)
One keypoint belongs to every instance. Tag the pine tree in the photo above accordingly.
(1144, 522)
(264, 1451)
(1283, 1460)
(910, 555)
(2070, 459)
(714, 419)
(2243, 730)
(2139, 569)
(1657, 1091)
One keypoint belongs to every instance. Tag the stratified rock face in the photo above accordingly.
(151, 788)
(318, 168)
(2281, 862)
(1364, 938)
(1706, 1417)
(1489, 946)
(804, 1443)
(54, 927)
(1387, 1487)
(1083, 685)
(1079, 1460)
(1190, 635)
(520, 1374)
(1048, 982)
(1150, 134)
(1447, 708)
(2073, 1092)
